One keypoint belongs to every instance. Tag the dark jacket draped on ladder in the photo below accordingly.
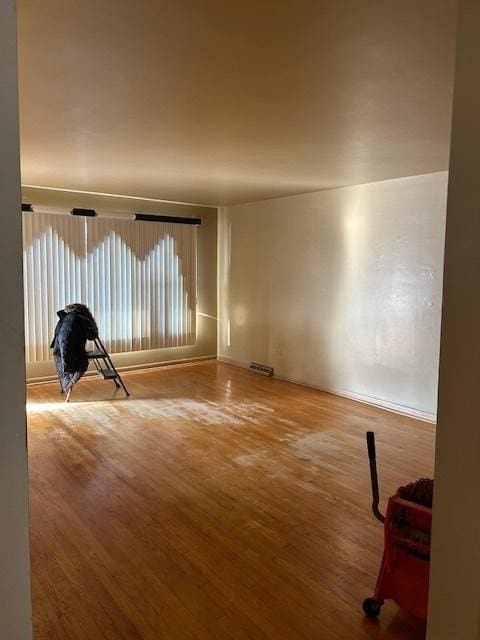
(75, 326)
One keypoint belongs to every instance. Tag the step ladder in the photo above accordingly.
(104, 366)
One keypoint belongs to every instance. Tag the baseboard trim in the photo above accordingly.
(131, 368)
(357, 397)
(235, 363)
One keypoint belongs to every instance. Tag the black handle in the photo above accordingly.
(371, 445)
(373, 476)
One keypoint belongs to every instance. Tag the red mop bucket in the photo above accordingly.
(405, 568)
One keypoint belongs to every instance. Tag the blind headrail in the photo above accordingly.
(137, 217)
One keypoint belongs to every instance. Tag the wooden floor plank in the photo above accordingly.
(211, 504)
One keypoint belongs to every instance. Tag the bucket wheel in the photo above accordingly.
(372, 607)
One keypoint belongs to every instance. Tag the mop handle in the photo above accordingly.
(373, 476)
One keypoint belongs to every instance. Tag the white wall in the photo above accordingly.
(339, 289)
(454, 609)
(14, 564)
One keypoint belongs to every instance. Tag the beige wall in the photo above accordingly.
(455, 575)
(206, 344)
(339, 289)
(14, 564)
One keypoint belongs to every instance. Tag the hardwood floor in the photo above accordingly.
(212, 504)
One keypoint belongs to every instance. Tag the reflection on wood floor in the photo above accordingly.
(212, 504)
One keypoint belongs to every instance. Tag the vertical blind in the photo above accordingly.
(138, 278)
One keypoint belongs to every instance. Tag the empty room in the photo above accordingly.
(240, 269)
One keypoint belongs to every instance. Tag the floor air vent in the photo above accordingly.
(261, 368)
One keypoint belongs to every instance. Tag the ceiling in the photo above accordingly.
(226, 101)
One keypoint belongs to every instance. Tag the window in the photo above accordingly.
(138, 278)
